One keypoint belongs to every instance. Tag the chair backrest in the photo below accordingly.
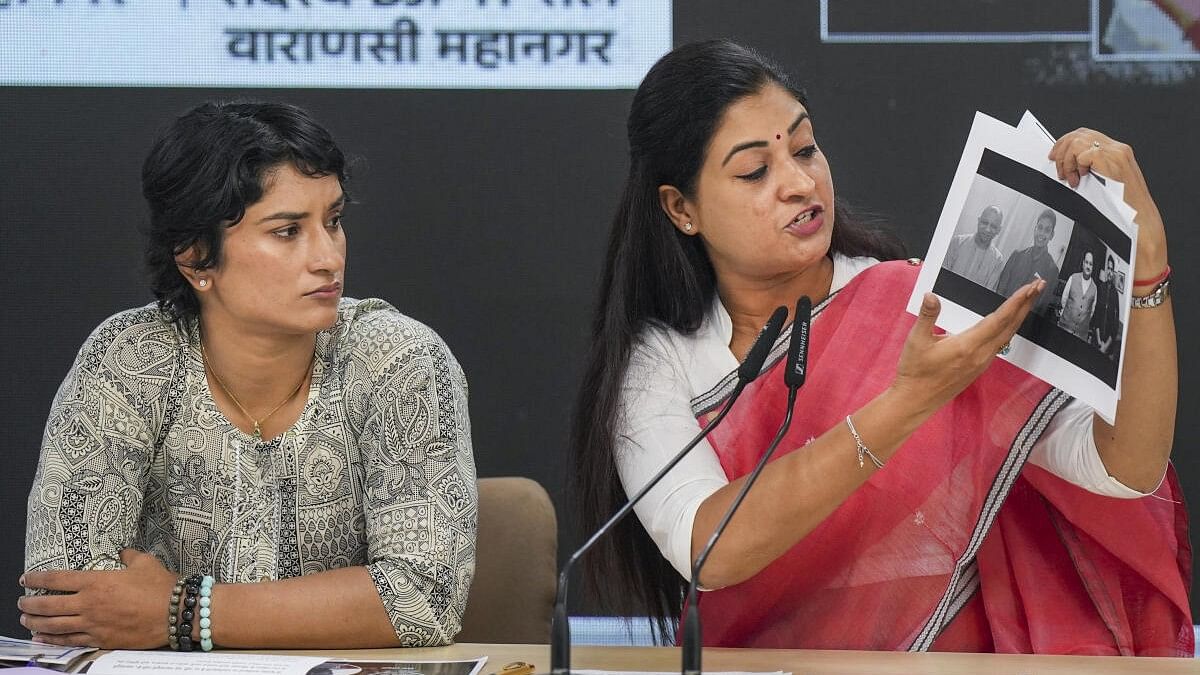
(512, 596)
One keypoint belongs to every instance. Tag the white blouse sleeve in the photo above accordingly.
(654, 422)
(1068, 450)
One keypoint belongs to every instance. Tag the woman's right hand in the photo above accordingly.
(934, 367)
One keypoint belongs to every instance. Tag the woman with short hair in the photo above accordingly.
(254, 460)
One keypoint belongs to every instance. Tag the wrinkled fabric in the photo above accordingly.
(955, 544)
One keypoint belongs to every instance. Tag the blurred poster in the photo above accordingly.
(1146, 30)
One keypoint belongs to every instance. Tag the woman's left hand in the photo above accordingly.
(109, 609)
(1085, 151)
(1135, 449)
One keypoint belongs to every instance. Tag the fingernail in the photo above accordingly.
(21, 581)
(928, 302)
(23, 620)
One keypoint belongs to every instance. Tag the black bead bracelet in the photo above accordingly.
(191, 591)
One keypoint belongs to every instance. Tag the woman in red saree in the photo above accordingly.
(1004, 516)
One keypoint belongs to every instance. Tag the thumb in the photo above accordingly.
(131, 557)
(927, 317)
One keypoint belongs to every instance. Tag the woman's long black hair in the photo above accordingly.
(655, 275)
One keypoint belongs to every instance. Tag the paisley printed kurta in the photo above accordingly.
(377, 470)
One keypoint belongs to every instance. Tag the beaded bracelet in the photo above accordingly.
(173, 616)
(187, 613)
(206, 585)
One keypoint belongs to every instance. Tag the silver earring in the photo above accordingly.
(203, 283)
(688, 227)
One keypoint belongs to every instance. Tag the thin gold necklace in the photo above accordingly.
(257, 422)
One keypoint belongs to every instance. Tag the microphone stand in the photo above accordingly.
(794, 374)
(560, 629)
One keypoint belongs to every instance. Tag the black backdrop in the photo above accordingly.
(483, 213)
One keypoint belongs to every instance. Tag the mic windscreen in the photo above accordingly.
(797, 360)
(762, 346)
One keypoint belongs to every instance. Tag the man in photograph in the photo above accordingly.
(974, 256)
(1079, 300)
(1105, 329)
(1024, 265)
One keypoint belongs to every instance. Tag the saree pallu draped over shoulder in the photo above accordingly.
(956, 544)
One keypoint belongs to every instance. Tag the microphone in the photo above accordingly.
(560, 629)
(794, 373)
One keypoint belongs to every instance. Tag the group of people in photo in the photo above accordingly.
(1084, 303)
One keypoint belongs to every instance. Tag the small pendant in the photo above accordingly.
(257, 432)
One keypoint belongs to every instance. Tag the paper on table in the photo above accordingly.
(122, 662)
(630, 672)
(13, 649)
(388, 667)
(1008, 167)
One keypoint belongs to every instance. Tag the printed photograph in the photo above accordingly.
(1016, 225)
(1005, 239)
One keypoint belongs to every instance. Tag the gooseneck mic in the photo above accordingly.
(794, 373)
(560, 630)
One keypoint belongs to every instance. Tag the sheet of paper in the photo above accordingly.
(631, 672)
(1007, 218)
(13, 649)
(122, 662)
(373, 667)
(1125, 213)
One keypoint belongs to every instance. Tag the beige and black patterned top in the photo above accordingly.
(377, 470)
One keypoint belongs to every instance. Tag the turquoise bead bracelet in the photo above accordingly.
(206, 585)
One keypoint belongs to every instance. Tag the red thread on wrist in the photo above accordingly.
(1156, 280)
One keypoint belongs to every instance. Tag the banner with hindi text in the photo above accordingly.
(511, 44)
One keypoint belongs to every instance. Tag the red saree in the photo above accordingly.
(956, 544)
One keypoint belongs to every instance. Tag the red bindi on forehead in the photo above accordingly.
(778, 136)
